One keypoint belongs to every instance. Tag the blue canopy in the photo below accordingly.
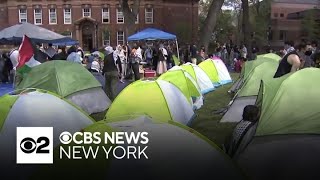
(151, 34)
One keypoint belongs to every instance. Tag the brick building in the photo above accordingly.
(284, 28)
(96, 23)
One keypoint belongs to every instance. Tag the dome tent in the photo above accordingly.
(71, 81)
(248, 67)
(187, 85)
(200, 76)
(159, 99)
(248, 93)
(287, 133)
(34, 108)
(270, 56)
(216, 71)
(168, 141)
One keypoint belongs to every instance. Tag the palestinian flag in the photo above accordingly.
(27, 53)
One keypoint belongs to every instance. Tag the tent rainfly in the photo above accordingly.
(34, 108)
(200, 77)
(158, 99)
(185, 82)
(71, 81)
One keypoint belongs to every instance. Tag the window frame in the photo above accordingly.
(103, 15)
(55, 13)
(37, 14)
(117, 13)
(83, 12)
(146, 15)
(20, 15)
(123, 36)
(64, 16)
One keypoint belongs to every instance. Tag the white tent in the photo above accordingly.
(34, 109)
(223, 73)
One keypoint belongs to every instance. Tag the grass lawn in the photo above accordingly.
(207, 123)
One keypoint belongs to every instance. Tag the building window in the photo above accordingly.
(281, 15)
(22, 15)
(282, 35)
(52, 16)
(120, 37)
(106, 38)
(105, 15)
(275, 14)
(86, 12)
(120, 17)
(38, 16)
(149, 15)
(67, 16)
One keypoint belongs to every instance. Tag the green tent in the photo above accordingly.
(249, 65)
(216, 71)
(249, 90)
(287, 135)
(71, 81)
(187, 85)
(209, 67)
(200, 76)
(251, 85)
(159, 99)
(271, 56)
(60, 77)
(289, 104)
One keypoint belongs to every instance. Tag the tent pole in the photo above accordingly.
(177, 49)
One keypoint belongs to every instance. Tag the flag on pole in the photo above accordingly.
(26, 56)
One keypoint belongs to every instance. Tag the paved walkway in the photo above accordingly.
(5, 88)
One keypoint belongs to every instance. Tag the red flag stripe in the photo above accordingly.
(25, 51)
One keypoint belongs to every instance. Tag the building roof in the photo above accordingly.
(298, 1)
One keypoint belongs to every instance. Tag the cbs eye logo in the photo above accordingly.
(65, 137)
(29, 145)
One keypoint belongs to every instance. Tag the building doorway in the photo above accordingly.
(87, 36)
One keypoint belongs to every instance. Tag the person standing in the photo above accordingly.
(111, 72)
(73, 55)
(194, 53)
(162, 64)
(292, 61)
(244, 51)
(136, 58)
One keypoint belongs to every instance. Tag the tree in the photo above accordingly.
(260, 20)
(130, 14)
(225, 26)
(310, 25)
(210, 22)
(246, 25)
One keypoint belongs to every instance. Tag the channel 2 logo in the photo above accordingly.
(34, 145)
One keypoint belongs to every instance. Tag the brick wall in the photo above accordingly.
(171, 16)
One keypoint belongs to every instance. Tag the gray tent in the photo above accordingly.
(37, 34)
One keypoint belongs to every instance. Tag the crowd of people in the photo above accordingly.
(125, 61)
